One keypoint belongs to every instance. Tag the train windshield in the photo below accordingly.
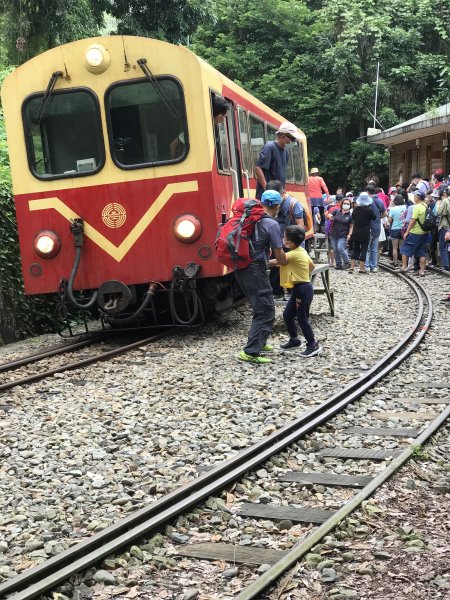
(64, 140)
(147, 122)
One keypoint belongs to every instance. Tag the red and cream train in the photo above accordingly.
(104, 204)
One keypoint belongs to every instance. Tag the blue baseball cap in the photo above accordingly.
(271, 198)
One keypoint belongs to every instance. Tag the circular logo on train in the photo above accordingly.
(114, 215)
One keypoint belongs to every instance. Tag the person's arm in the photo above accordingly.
(280, 256)
(311, 266)
(300, 222)
(259, 174)
(390, 219)
(323, 185)
(410, 226)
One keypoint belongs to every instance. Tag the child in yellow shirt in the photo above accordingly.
(295, 275)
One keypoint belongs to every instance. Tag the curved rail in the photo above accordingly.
(49, 574)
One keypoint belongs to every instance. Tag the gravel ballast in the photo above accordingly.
(85, 448)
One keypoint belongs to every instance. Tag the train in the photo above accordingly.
(121, 177)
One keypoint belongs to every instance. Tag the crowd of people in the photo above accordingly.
(409, 223)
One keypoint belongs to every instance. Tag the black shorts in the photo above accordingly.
(396, 234)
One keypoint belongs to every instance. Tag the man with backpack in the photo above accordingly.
(416, 234)
(254, 280)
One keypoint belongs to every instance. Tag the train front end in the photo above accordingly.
(113, 190)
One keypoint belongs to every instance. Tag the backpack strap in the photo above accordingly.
(292, 204)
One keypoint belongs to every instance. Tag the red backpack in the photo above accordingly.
(233, 237)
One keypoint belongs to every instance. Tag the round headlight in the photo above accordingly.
(47, 244)
(187, 229)
(97, 58)
(94, 57)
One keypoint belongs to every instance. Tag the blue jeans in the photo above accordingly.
(302, 295)
(255, 284)
(340, 252)
(372, 253)
(443, 247)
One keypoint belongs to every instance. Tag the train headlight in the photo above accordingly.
(97, 58)
(47, 244)
(187, 229)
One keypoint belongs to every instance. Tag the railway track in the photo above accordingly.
(151, 518)
(23, 364)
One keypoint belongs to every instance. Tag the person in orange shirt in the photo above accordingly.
(317, 187)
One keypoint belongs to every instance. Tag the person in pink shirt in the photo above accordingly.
(317, 187)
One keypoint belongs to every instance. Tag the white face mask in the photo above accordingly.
(346, 207)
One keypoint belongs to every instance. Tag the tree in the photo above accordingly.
(32, 26)
(171, 20)
(315, 62)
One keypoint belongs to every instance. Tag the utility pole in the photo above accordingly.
(376, 95)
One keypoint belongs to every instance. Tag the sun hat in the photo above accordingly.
(392, 190)
(420, 194)
(364, 199)
(289, 129)
(271, 198)
(439, 172)
(349, 195)
(314, 170)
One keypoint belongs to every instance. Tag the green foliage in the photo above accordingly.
(33, 26)
(315, 62)
(171, 20)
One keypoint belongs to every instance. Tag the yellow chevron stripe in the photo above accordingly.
(117, 252)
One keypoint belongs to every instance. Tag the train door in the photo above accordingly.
(235, 156)
(227, 149)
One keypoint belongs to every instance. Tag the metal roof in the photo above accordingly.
(436, 120)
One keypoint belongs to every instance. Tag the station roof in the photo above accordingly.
(436, 120)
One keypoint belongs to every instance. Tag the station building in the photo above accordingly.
(420, 144)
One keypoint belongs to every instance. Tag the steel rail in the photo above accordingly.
(299, 550)
(49, 574)
(433, 269)
(61, 349)
(82, 363)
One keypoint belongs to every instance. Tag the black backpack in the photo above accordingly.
(429, 221)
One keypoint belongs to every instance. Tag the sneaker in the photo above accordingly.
(338, 268)
(375, 270)
(291, 343)
(446, 300)
(257, 360)
(267, 348)
(346, 266)
(350, 270)
(278, 296)
(311, 351)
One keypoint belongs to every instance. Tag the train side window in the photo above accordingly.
(298, 162)
(63, 135)
(271, 133)
(146, 122)
(257, 137)
(222, 146)
(290, 177)
(245, 141)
